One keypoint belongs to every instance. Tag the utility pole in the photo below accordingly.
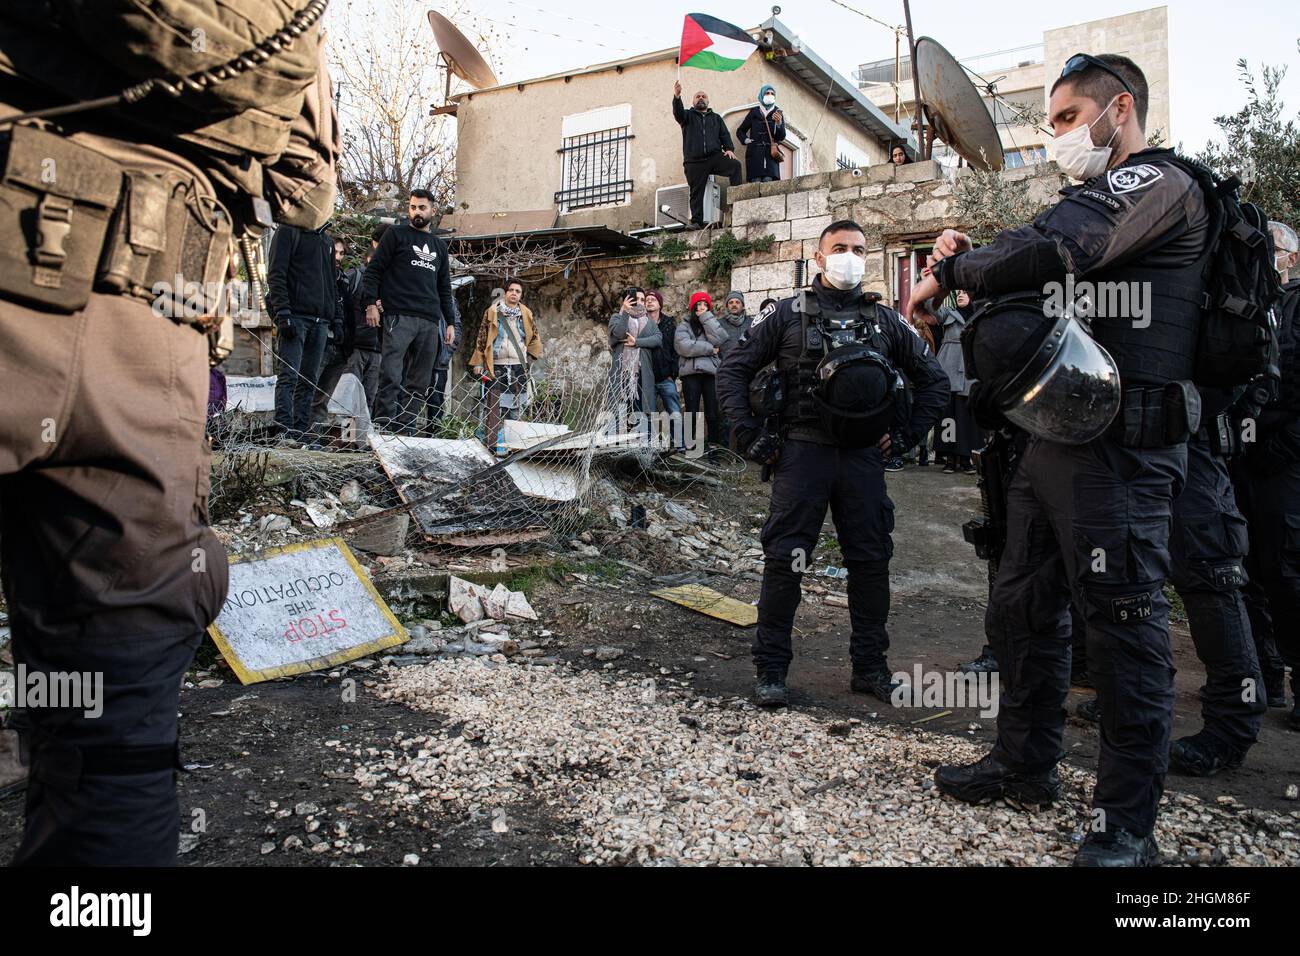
(916, 85)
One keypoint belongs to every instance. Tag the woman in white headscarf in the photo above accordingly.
(760, 131)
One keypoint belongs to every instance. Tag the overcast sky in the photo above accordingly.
(1205, 38)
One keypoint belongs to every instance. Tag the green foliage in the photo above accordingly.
(1260, 148)
(726, 250)
(988, 203)
(673, 250)
(354, 229)
(655, 276)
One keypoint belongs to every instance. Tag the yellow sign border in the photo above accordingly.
(246, 676)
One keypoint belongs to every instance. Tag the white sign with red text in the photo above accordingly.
(301, 608)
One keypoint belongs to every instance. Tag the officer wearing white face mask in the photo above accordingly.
(1090, 521)
(823, 425)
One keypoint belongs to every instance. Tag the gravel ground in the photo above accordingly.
(649, 774)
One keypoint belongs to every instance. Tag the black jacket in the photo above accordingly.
(777, 331)
(1106, 222)
(665, 358)
(300, 274)
(410, 273)
(363, 336)
(703, 134)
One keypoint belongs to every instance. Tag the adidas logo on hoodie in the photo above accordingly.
(425, 258)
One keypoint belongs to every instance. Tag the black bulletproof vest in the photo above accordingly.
(858, 321)
(1165, 350)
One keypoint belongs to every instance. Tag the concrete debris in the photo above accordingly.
(387, 536)
(271, 523)
(472, 602)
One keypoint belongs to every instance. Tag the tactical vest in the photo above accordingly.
(1164, 350)
(821, 329)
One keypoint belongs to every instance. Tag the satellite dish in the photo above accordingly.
(459, 54)
(955, 108)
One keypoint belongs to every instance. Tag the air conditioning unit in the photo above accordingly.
(678, 201)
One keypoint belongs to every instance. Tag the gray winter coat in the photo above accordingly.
(649, 340)
(950, 350)
(733, 327)
(697, 350)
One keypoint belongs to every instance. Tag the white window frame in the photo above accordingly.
(592, 122)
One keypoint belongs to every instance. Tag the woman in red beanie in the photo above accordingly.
(697, 342)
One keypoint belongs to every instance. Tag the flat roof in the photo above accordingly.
(791, 55)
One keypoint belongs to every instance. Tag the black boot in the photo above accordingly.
(1118, 848)
(990, 779)
(877, 683)
(771, 691)
(986, 663)
(1275, 691)
(1089, 710)
(1202, 755)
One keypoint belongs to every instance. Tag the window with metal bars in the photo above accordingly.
(594, 169)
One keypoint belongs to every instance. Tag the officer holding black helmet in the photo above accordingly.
(1110, 414)
(837, 355)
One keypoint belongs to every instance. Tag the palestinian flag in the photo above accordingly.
(712, 44)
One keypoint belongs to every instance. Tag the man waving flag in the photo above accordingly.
(712, 44)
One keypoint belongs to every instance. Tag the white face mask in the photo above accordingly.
(769, 100)
(1076, 154)
(844, 270)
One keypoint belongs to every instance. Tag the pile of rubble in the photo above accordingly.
(656, 529)
(651, 775)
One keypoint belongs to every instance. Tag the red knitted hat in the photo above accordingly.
(696, 298)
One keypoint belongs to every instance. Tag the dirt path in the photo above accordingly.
(286, 773)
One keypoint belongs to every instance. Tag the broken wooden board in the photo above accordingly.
(300, 608)
(492, 506)
(708, 601)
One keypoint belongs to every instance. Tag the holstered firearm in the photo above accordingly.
(994, 465)
(767, 399)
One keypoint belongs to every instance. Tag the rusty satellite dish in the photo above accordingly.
(954, 107)
(461, 58)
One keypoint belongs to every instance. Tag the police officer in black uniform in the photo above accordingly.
(838, 353)
(1268, 484)
(1092, 521)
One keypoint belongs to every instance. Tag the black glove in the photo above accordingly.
(765, 448)
(900, 443)
(285, 329)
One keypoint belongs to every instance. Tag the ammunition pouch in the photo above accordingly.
(1220, 433)
(1157, 416)
(73, 221)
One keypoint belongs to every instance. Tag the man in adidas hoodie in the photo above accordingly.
(410, 274)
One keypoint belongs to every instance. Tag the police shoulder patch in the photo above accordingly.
(1128, 179)
(759, 319)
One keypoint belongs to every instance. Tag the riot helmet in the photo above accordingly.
(1046, 373)
(854, 395)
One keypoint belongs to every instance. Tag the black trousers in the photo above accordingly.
(1271, 503)
(808, 478)
(700, 389)
(1090, 524)
(698, 172)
